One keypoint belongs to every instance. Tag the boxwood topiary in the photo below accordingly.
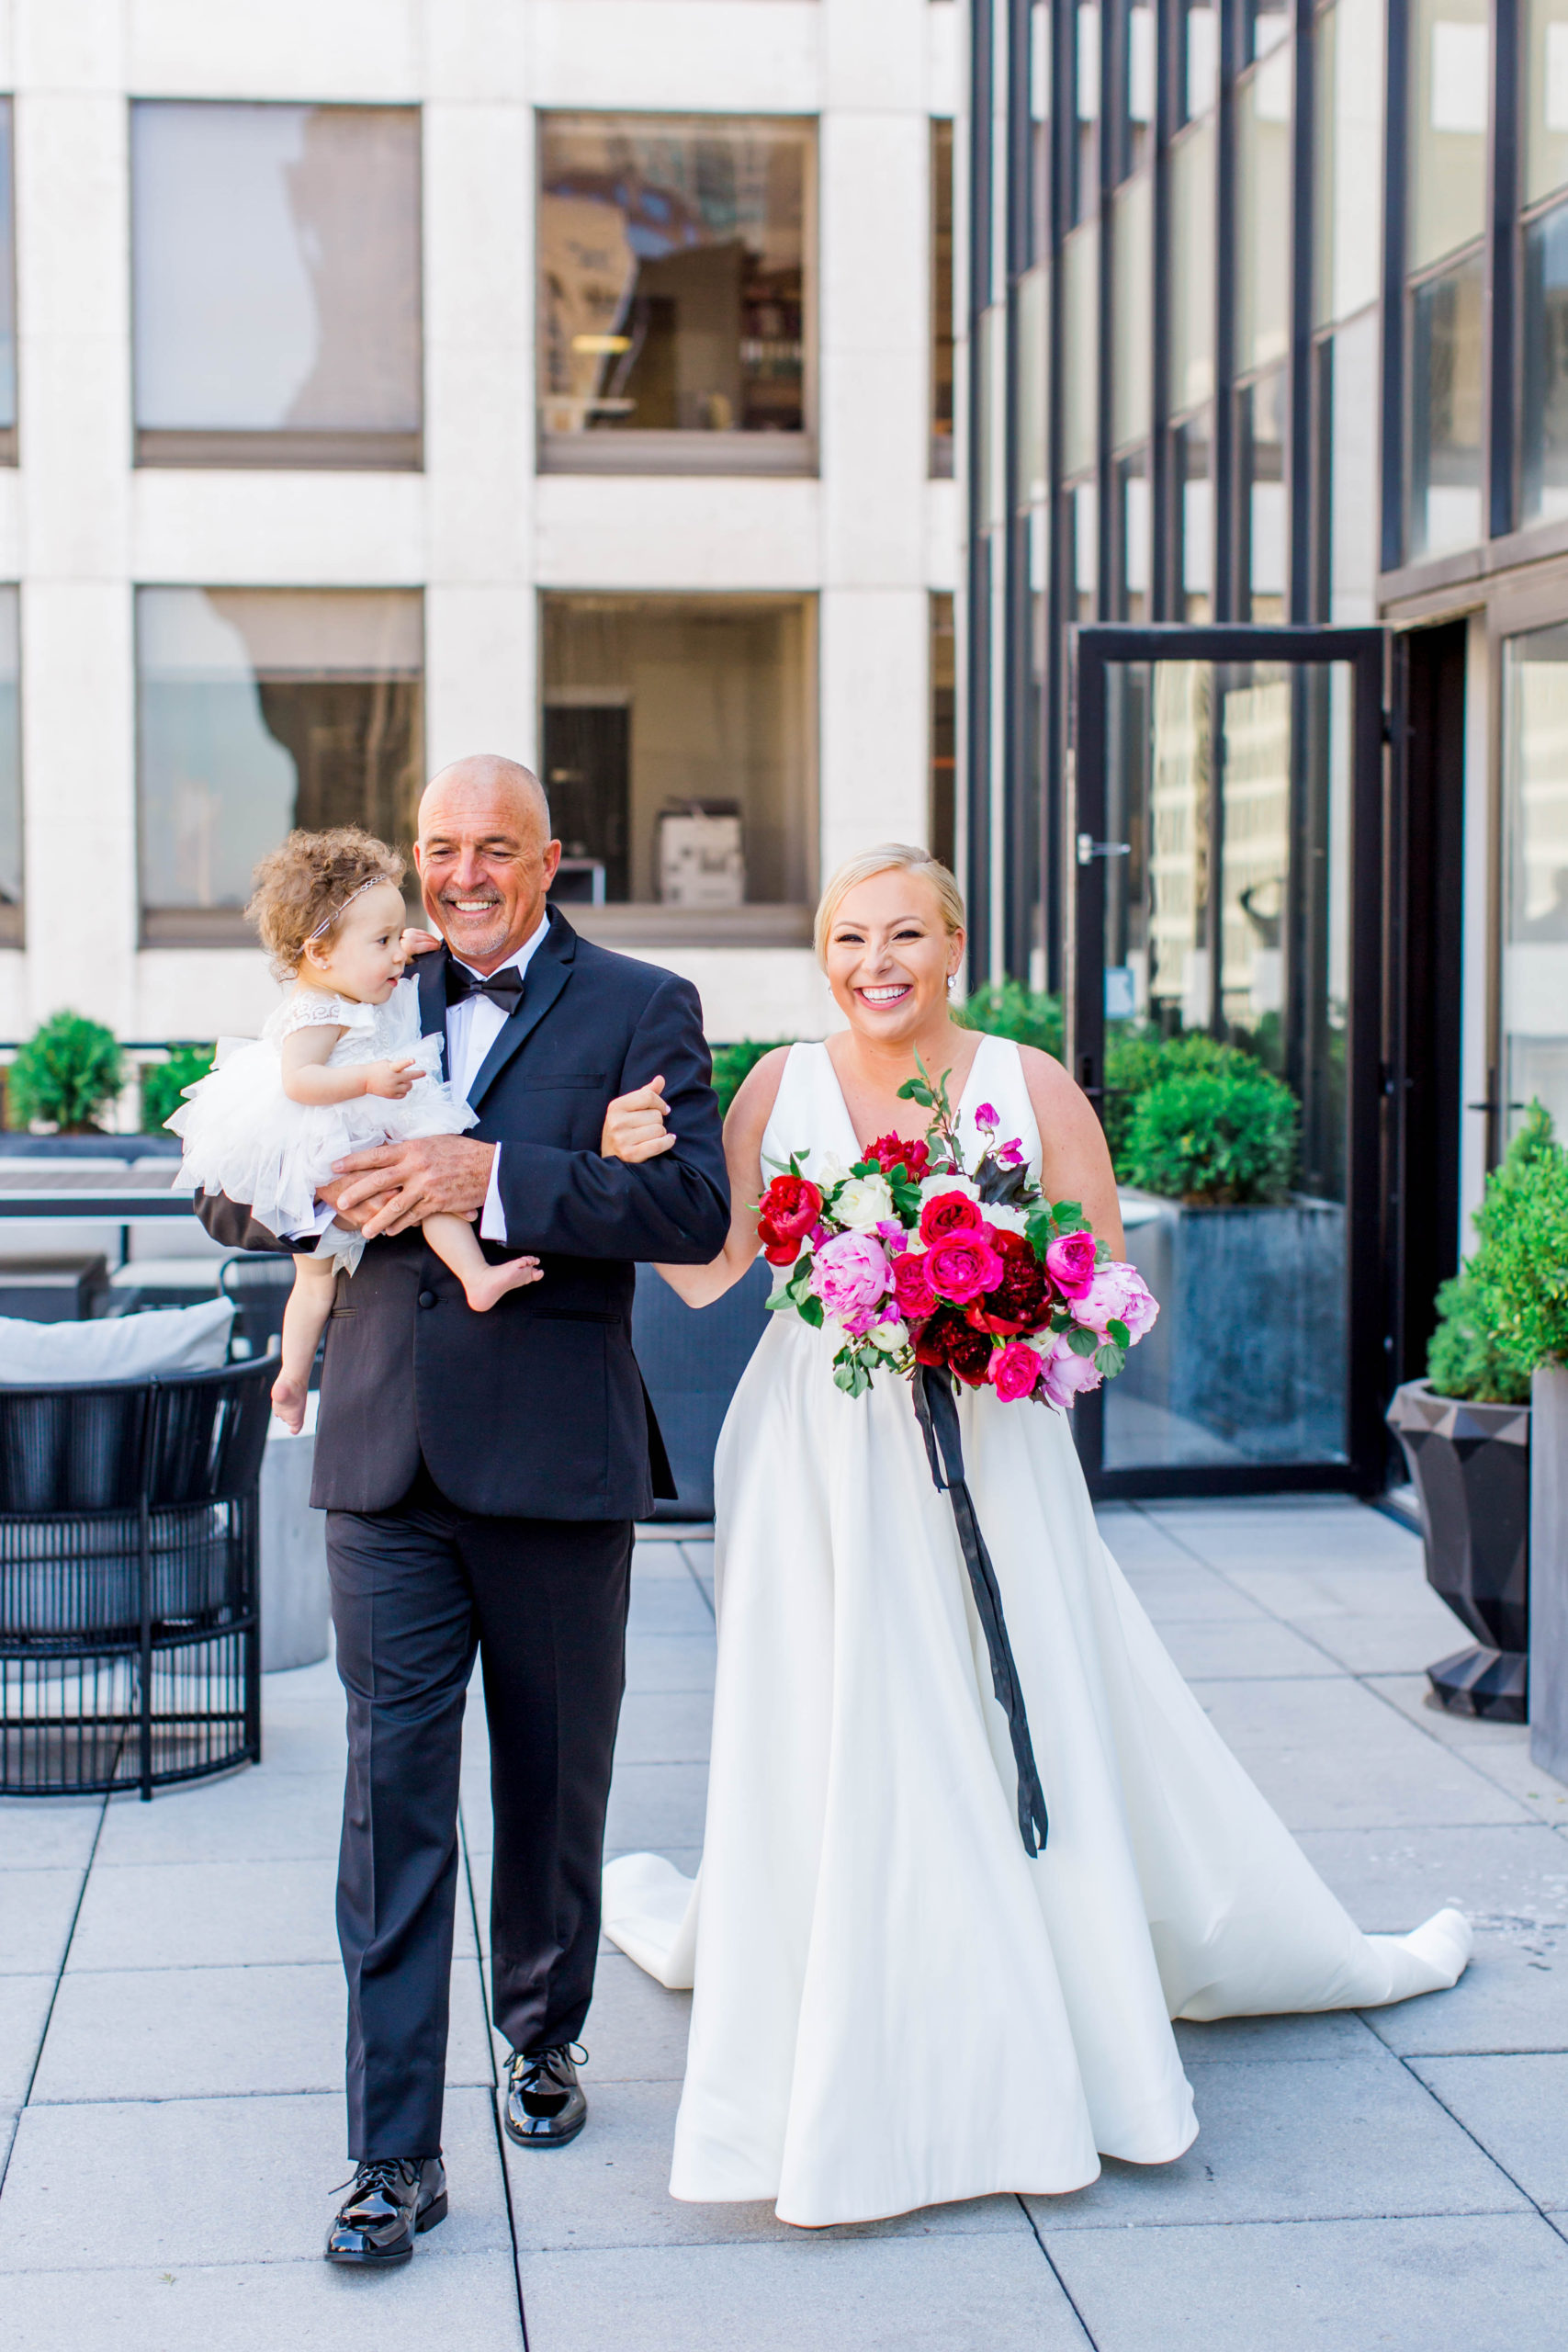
(1506, 1310)
(1139, 1058)
(1218, 1137)
(1006, 1009)
(163, 1083)
(65, 1074)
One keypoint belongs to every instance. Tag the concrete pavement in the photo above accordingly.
(171, 2024)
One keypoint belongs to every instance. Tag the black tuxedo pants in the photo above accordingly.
(415, 1591)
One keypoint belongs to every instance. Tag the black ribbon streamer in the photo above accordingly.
(936, 1410)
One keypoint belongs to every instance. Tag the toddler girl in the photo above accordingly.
(339, 1067)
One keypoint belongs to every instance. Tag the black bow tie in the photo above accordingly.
(502, 988)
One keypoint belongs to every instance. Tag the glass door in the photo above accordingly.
(1226, 839)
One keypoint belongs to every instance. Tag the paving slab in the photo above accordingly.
(308, 2306)
(1518, 2108)
(1514, 1995)
(665, 1727)
(671, 1661)
(1245, 1649)
(1330, 2033)
(48, 1833)
(1391, 1879)
(669, 1605)
(1295, 2141)
(635, 2030)
(1328, 1755)
(303, 1736)
(252, 1815)
(146, 2174)
(24, 2007)
(1489, 2284)
(1500, 1751)
(935, 2293)
(1287, 1526)
(214, 1914)
(216, 2032)
(35, 1911)
(655, 1806)
(1189, 1592)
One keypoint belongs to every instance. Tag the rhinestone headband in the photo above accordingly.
(348, 902)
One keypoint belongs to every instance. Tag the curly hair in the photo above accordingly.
(304, 888)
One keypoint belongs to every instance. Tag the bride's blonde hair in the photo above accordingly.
(889, 857)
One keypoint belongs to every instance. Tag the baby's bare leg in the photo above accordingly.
(304, 1320)
(455, 1242)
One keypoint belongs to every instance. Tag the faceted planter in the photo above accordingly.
(1470, 1467)
(1548, 1570)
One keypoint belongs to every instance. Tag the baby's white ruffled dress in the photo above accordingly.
(243, 1135)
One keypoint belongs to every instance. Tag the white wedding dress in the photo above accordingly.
(895, 2006)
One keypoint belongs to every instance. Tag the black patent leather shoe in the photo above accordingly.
(544, 2102)
(393, 2200)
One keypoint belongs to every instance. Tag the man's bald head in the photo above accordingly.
(485, 856)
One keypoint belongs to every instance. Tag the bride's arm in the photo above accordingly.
(633, 1131)
(1075, 1163)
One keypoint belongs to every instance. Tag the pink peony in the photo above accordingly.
(1014, 1371)
(851, 1272)
(1117, 1294)
(1067, 1375)
(963, 1267)
(1070, 1263)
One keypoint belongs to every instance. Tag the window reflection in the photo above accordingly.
(1349, 139)
(1445, 411)
(1133, 539)
(672, 289)
(1086, 173)
(1192, 267)
(276, 278)
(1194, 521)
(1131, 279)
(10, 773)
(1351, 446)
(1261, 450)
(1263, 212)
(942, 298)
(1543, 457)
(7, 290)
(1200, 80)
(1034, 375)
(1139, 67)
(1535, 952)
(1451, 71)
(260, 709)
(1081, 358)
(675, 750)
(943, 816)
(1083, 549)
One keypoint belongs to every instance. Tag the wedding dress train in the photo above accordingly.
(895, 2006)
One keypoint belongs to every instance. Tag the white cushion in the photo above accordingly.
(116, 1346)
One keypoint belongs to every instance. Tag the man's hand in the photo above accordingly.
(400, 1185)
(634, 1125)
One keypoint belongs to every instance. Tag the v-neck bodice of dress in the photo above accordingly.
(810, 1119)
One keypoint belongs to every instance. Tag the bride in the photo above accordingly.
(894, 2004)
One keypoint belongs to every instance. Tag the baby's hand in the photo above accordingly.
(418, 943)
(634, 1125)
(394, 1079)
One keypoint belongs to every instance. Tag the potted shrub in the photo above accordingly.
(69, 1071)
(1465, 1430)
(163, 1083)
(1251, 1276)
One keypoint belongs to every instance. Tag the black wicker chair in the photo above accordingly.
(129, 1635)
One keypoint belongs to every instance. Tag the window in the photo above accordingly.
(942, 298)
(1263, 210)
(276, 281)
(7, 293)
(677, 734)
(1535, 931)
(1194, 521)
(1350, 136)
(10, 773)
(260, 709)
(1543, 387)
(1132, 282)
(1193, 267)
(675, 294)
(1545, 88)
(941, 823)
(1450, 71)
(1081, 358)
(1133, 537)
(1086, 168)
(1445, 378)
(1261, 448)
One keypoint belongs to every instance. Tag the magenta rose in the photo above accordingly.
(963, 1267)
(1014, 1371)
(915, 1298)
(1069, 1261)
(851, 1272)
(1117, 1294)
(948, 1213)
(1067, 1375)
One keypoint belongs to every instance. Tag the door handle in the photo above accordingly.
(1090, 849)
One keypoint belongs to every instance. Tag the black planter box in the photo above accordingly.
(1471, 1466)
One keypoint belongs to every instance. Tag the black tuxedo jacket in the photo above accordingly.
(536, 1409)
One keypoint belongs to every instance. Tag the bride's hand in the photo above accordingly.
(634, 1124)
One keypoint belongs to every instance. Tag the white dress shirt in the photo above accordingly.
(472, 1028)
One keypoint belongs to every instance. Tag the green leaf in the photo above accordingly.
(850, 1375)
(1109, 1359)
(1082, 1342)
(811, 1311)
(1068, 1215)
(1119, 1332)
(914, 1090)
(1061, 1320)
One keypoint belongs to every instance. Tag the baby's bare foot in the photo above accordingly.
(496, 1281)
(288, 1402)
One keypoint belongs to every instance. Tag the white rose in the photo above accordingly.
(888, 1336)
(862, 1202)
(1009, 1220)
(931, 1185)
(831, 1171)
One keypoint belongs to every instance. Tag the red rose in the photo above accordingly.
(950, 1213)
(912, 1288)
(896, 1151)
(1021, 1300)
(790, 1207)
(947, 1340)
(962, 1267)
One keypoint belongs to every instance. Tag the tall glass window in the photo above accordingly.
(275, 255)
(676, 261)
(1349, 143)
(1447, 373)
(1261, 450)
(1132, 275)
(677, 734)
(1192, 267)
(258, 710)
(1086, 172)
(1032, 487)
(1137, 127)
(10, 773)
(1543, 385)
(1544, 82)
(1450, 74)
(1134, 538)
(1200, 77)
(941, 819)
(942, 298)
(1263, 211)
(1194, 521)
(1535, 946)
(7, 290)
(1081, 358)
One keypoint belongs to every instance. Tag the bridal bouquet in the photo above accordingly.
(916, 1258)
